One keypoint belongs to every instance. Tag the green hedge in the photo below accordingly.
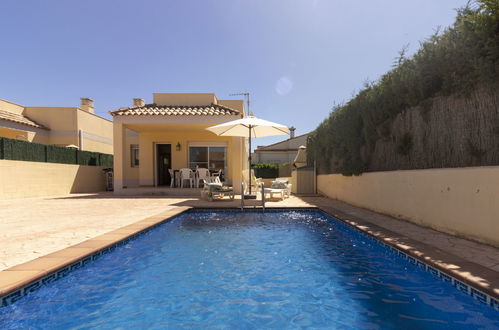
(35, 152)
(266, 170)
(106, 160)
(15, 149)
(61, 155)
(88, 158)
(452, 62)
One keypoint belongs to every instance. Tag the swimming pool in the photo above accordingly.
(285, 269)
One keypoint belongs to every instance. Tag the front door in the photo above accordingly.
(163, 163)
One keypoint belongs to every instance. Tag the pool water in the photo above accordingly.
(227, 269)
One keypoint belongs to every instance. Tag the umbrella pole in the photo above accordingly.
(249, 160)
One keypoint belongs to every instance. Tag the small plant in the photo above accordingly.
(404, 145)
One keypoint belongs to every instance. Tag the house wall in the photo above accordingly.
(127, 177)
(12, 133)
(274, 157)
(20, 179)
(184, 98)
(66, 123)
(19, 131)
(234, 104)
(97, 132)
(147, 142)
(61, 121)
(459, 201)
(280, 152)
(131, 173)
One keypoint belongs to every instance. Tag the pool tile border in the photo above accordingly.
(415, 252)
(20, 280)
(27, 277)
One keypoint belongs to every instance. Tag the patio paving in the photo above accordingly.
(31, 228)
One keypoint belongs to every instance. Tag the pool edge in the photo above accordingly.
(457, 269)
(19, 280)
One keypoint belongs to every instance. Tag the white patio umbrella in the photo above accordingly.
(249, 127)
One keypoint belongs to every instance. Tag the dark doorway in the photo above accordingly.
(163, 163)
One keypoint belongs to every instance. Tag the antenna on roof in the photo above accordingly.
(247, 97)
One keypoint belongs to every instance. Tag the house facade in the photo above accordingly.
(60, 126)
(170, 134)
(280, 152)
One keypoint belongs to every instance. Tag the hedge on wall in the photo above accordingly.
(88, 158)
(27, 151)
(62, 155)
(266, 170)
(15, 149)
(106, 160)
(451, 63)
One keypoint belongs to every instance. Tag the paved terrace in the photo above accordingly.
(32, 228)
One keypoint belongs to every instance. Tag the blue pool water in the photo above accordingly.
(226, 269)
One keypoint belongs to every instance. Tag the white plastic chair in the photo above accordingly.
(202, 174)
(256, 183)
(186, 174)
(172, 175)
(282, 188)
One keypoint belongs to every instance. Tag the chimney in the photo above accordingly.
(87, 104)
(138, 102)
(292, 132)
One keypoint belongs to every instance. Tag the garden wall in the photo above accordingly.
(458, 201)
(21, 179)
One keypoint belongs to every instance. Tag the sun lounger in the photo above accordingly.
(214, 188)
(281, 188)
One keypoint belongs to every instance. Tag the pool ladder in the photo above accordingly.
(242, 197)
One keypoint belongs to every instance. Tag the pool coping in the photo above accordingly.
(460, 272)
(20, 280)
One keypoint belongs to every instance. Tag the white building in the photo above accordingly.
(280, 152)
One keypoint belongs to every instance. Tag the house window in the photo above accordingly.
(211, 157)
(134, 155)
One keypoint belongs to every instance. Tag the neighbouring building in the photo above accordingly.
(170, 134)
(280, 152)
(60, 126)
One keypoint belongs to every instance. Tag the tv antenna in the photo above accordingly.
(247, 97)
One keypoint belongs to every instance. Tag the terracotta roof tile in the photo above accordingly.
(20, 119)
(176, 110)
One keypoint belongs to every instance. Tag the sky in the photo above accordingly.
(297, 59)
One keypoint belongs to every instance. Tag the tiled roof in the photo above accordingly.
(263, 148)
(176, 110)
(20, 119)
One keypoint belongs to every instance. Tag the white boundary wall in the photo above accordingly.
(21, 179)
(460, 201)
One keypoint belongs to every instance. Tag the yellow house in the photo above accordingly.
(170, 134)
(61, 126)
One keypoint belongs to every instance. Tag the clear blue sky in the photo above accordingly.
(296, 58)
